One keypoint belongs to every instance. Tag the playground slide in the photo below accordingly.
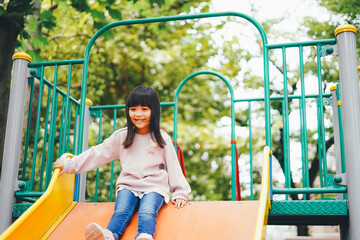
(56, 216)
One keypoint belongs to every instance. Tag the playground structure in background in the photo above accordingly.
(67, 193)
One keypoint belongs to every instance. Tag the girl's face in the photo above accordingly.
(140, 117)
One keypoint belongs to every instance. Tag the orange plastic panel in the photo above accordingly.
(198, 220)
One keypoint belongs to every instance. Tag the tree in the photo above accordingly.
(12, 22)
(27, 25)
(160, 54)
(344, 12)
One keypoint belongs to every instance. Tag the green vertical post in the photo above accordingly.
(303, 126)
(286, 131)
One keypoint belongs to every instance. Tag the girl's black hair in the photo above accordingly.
(144, 96)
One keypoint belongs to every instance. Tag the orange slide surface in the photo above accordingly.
(56, 216)
(197, 220)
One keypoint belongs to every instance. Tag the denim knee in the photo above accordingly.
(126, 205)
(150, 206)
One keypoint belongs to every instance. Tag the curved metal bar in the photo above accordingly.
(233, 150)
(178, 18)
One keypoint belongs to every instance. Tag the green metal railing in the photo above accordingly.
(52, 133)
(323, 48)
(97, 111)
(55, 133)
(167, 19)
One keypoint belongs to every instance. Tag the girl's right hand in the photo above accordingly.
(59, 163)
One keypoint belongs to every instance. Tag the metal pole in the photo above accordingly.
(334, 106)
(338, 138)
(349, 87)
(13, 136)
(85, 143)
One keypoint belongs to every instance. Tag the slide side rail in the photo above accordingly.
(265, 196)
(37, 221)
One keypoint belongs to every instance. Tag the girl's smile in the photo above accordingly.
(140, 117)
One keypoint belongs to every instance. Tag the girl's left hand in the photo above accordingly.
(179, 202)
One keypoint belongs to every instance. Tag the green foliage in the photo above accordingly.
(158, 54)
(343, 11)
(348, 9)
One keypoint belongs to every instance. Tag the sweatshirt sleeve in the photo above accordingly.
(95, 156)
(179, 186)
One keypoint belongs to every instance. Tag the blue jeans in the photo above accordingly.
(126, 205)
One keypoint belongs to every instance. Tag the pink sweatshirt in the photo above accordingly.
(145, 166)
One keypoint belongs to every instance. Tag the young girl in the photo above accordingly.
(150, 168)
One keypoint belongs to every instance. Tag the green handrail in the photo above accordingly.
(232, 113)
(38, 136)
(177, 18)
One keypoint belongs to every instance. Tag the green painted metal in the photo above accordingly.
(309, 207)
(309, 190)
(29, 194)
(286, 130)
(280, 98)
(112, 163)
(38, 171)
(20, 209)
(322, 168)
(62, 128)
(303, 123)
(96, 111)
(303, 44)
(37, 128)
(43, 160)
(177, 18)
(321, 124)
(303, 126)
(341, 133)
(66, 110)
(232, 110)
(31, 82)
(67, 122)
(55, 63)
(52, 127)
(251, 154)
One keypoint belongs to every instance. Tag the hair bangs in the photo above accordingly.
(139, 98)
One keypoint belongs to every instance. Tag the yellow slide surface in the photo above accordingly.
(56, 216)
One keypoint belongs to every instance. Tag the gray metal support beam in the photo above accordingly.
(13, 136)
(350, 99)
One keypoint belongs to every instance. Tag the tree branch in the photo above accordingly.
(68, 36)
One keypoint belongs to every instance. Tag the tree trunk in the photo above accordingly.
(10, 28)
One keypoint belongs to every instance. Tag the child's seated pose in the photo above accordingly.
(150, 168)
